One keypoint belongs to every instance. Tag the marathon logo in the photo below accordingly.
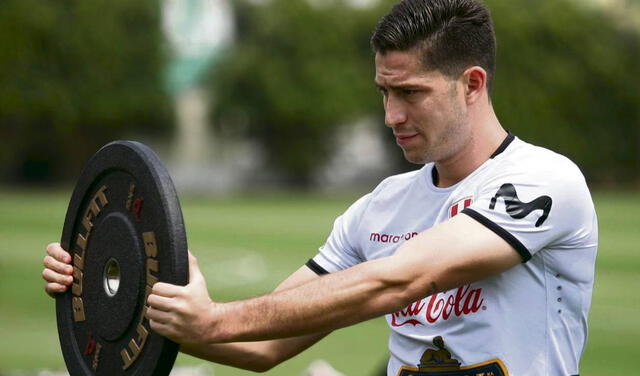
(391, 238)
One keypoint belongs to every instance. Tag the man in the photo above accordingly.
(483, 260)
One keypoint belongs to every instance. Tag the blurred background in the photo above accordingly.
(266, 115)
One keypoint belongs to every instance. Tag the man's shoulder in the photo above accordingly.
(387, 189)
(538, 162)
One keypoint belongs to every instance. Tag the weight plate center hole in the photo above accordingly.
(111, 277)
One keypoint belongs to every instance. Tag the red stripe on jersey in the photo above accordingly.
(467, 203)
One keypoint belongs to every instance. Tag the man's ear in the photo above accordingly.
(475, 84)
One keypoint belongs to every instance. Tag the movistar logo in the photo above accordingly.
(518, 209)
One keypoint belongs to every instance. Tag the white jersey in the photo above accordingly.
(528, 320)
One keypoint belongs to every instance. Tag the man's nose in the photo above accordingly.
(394, 112)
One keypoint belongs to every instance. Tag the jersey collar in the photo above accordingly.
(503, 146)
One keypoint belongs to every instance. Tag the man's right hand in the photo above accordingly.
(57, 270)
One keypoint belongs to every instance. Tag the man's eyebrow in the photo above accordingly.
(407, 86)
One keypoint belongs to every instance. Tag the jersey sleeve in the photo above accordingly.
(341, 250)
(532, 209)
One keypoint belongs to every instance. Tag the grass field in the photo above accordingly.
(247, 245)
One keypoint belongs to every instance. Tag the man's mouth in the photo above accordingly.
(403, 139)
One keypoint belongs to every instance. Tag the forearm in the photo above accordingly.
(253, 356)
(334, 301)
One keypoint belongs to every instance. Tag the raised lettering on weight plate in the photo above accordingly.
(78, 309)
(95, 206)
(136, 345)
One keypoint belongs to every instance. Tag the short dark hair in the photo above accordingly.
(452, 35)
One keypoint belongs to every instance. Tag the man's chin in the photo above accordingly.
(416, 159)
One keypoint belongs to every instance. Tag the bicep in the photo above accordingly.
(454, 253)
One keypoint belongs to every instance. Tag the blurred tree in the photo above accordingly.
(75, 74)
(299, 70)
(567, 79)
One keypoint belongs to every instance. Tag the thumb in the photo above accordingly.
(195, 275)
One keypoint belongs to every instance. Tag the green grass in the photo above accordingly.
(248, 245)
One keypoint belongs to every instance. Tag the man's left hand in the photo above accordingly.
(182, 313)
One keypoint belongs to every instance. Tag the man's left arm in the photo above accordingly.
(452, 254)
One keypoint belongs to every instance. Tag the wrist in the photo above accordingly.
(217, 331)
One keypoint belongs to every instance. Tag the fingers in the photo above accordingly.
(57, 252)
(158, 315)
(166, 289)
(57, 270)
(161, 328)
(160, 303)
(161, 320)
(53, 277)
(54, 288)
(57, 266)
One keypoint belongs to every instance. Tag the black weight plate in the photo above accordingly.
(124, 230)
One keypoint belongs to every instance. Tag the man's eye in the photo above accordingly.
(408, 92)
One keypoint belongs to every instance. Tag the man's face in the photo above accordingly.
(426, 110)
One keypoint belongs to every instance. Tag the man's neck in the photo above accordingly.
(485, 140)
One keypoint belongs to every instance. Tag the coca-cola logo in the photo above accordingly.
(461, 301)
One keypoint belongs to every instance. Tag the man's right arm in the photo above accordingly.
(263, 355)
(255, 356)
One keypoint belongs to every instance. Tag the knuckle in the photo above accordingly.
(53, 247)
